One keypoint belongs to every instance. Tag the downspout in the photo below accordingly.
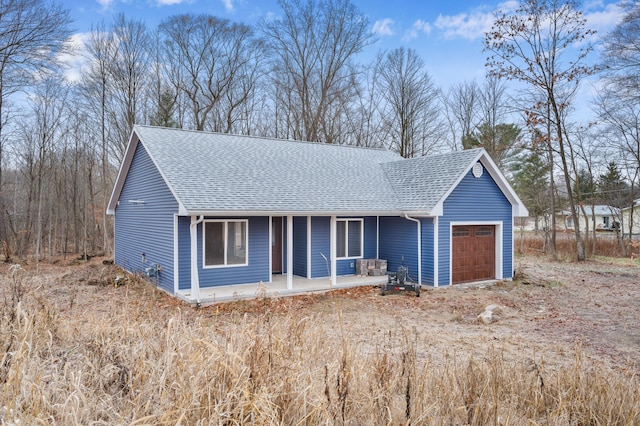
(406, 216)
(195, 280)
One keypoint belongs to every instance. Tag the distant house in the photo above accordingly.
(627, 216)
(217, 209)
(607, 218)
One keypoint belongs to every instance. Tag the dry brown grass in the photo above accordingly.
(145, 359)
(606, 244)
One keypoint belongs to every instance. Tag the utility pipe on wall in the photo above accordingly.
(406, 216)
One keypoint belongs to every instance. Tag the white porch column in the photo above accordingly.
(332, 242)
(289, 252)
(270, 249)
(195, 280)
(377, 237)
(435, 251)
(308, 247)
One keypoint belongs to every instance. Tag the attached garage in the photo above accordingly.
(473, 253)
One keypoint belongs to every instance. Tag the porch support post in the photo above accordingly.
(308, 247)
(332, 242)
(436, 249)
(270, 249)
(377, 237)
(289, 252)
(176, 257)
(195, 280)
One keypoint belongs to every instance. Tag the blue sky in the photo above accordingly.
(448, 35)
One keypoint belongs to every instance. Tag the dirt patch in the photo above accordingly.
(549, 309)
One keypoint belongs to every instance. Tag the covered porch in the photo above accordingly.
(278, 287)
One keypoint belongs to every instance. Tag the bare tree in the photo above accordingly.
(462, 108)
(618, 102)
(365, 126)
(215, 64)
(32, 33)
(411, 115)
(314, 45)
(48, 108)
(97, 90)
(500, 137)
(621, 52)
(128, 67)
(537, 45)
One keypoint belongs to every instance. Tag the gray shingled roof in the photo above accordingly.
(218, 173)
(221, 172)
(420, 183)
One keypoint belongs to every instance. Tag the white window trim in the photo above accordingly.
(225, 235)
(346, 241)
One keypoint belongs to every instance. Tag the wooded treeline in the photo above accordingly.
(300, 75)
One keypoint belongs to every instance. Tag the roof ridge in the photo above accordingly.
(435, 156)
(266, 138)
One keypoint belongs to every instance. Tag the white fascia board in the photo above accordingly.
(181, 208)
(134, 140)
(229, 213)
(438, 209)
(518, 208)
(421, 213)
(182, 211)
(122, 173)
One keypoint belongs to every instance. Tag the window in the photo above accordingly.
(349, 238)
(460, 232)
(484, 231)
(225, 243)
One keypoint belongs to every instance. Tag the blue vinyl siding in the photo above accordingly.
(184, 252)
(300, 246)
(475, 199)
(370, 237)
(427, 248)
(320, 243)
(398, 238)
(145, 227)
(258, 266)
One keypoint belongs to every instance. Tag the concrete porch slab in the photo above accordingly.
(278, 287)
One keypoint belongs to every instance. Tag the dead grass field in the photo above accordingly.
(564, 349)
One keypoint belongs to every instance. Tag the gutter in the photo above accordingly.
(406, 216)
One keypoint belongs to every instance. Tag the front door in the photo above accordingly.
(276, 245)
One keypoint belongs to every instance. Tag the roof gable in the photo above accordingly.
(422, 183)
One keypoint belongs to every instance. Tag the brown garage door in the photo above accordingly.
(474, 253)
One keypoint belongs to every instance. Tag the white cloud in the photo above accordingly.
(171, 2)
(105, 3)
(383, 27)
(418, 27)
(76, 59)
(228, 5)
(507, 6)
(468, 26)
(603, 19)
(474, 24)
